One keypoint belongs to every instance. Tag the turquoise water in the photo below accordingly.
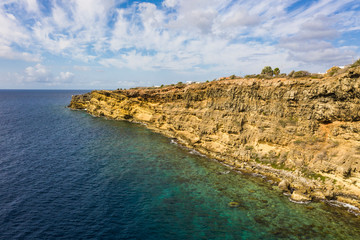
(67, 175)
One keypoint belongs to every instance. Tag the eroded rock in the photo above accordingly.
(300, 197)
(284, 185)
(284, 128)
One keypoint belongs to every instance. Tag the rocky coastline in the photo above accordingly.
(303, 134)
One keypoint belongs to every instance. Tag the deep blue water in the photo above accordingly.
(67, 175)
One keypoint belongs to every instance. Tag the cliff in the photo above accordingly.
(303, 134)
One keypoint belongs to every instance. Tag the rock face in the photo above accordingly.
(305, 131)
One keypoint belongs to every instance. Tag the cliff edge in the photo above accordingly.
(303, 134)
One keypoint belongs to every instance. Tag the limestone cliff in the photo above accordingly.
(303, 133)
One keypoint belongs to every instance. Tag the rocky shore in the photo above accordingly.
(303, 134)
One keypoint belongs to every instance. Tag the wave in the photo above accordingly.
(299, 202)
(350, 208)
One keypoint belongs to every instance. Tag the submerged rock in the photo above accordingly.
(234, 204)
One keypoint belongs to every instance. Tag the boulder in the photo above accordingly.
(300, 197)
(284, 185)
(318, 194)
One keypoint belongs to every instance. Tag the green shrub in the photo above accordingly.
(332, 71)
(276, 71)
(356, 64)
(282, 123)
(251, 76)
(180, 85)
(313, 175)
(291, 74)
(316, 76)
(232, 76)
(249, 148)
(302, 73)
(263, 76)
(267, 71)
(298, 142)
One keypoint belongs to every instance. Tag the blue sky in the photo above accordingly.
(109, 44)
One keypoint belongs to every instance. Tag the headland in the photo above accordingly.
(301, 132)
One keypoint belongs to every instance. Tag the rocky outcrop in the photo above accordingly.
(304, 131)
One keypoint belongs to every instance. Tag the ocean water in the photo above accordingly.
(67, 175)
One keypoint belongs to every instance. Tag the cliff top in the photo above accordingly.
(333, 76)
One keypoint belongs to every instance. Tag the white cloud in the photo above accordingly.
(60, 17)
(65, 77)
(7, 52)
(311, 44)
(215, 33)
(75, 29)
(170, 3)
(12, 33)
(31, 6)
(41, 74)
(38, 73)
(197, 35)
(82, 68)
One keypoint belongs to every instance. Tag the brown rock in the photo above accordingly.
(318, 194)
(284, 185)
(300, 197)
(329, 194)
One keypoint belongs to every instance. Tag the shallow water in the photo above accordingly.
(65, 174)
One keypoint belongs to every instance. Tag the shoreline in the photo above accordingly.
(302, 134)
(333, 203)
(258, 174)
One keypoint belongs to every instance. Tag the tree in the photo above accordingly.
(267, 71)
(276, 71)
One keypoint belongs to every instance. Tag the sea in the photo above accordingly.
(65, 174)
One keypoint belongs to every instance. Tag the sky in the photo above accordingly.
(109, 44)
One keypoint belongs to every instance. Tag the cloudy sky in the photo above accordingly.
(108, 44)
